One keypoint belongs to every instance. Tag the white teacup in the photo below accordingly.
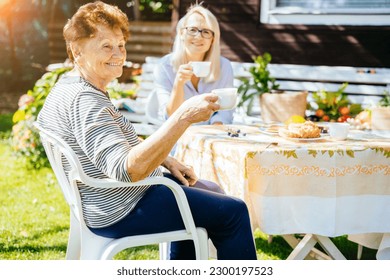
(201, 68)
(339, 131)
(227, 98)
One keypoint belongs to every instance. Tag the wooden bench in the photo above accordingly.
(366, 86)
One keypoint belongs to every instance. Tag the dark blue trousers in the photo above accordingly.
(225, 218)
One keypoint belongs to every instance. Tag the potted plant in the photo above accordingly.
(275, 105)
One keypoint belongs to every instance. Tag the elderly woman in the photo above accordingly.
(79, 110)
(197, 39)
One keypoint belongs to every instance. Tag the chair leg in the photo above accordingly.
(203, 244)
(212, 250)
(93, 248)
(164, 250)
(74, 243)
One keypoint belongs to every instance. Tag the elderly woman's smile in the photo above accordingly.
(100, 58)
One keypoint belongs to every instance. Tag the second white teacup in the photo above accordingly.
(338, 131)
(201, 68)
(227, 98)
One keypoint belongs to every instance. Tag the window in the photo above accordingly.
(326, 12)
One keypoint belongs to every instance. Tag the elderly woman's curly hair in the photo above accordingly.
(84, 22)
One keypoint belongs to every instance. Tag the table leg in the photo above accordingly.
(315, 254)
(329, 247)
(303, 248)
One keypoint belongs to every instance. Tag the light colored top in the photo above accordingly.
(101, 137)
(164, 78)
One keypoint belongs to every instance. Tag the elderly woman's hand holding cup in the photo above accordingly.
(227, 98)
(199, 108)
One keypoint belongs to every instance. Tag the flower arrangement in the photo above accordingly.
(333, 106)
(25, 138)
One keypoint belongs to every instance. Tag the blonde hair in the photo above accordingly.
(213, 54)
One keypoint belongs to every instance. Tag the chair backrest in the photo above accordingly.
(152, 109)
(146, 90)
(59, 153)
(146, 78)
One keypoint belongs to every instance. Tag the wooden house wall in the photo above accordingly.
(242, 37)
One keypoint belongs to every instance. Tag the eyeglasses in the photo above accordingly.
(193, 31)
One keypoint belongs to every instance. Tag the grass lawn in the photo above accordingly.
(34, 220)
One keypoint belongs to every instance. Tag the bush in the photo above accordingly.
(25, 138)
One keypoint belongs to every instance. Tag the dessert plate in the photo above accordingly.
(304, 139)
(271, 129)
(283, 134)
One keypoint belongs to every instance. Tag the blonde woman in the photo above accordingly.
(197, 39)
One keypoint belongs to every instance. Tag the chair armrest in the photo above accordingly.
(176, 189)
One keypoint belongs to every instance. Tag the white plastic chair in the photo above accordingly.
(84, 244)
(152, 108)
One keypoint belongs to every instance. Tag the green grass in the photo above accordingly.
(34, 219)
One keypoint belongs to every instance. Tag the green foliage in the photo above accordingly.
(115, 91)
(334, 105)
(25, 139)
(155, 6)
(5, 126)
(385, 100)
(260, 82)
(31, 103)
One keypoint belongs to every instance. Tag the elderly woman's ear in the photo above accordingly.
(76, 51)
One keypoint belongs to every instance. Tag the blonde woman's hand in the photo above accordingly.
(184, 74)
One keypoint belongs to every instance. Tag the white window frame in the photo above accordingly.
(271, 14)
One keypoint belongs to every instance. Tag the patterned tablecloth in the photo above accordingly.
(323, 187)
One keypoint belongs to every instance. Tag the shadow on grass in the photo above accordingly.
(349, 249)
(12, 243)
(32, 248)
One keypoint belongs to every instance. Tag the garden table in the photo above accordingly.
(321, 188)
